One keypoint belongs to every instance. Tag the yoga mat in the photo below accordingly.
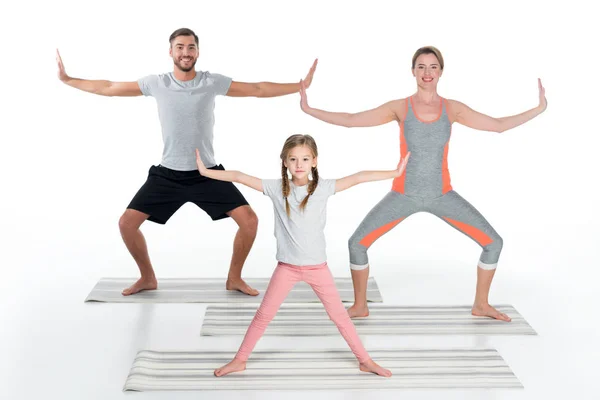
(312, 320)
(212, 290)
(321, 369)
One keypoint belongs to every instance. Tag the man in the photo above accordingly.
(185, 99)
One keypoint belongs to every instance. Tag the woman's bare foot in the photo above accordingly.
(234, 366)
(141, 284)
(485, 310)
(240, 286)
(358, 312)
(371, 366)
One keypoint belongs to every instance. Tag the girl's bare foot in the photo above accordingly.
(371, 366)
(234, 366)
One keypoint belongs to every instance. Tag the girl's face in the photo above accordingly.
(299, 162)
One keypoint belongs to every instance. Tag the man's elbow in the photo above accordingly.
(259, 90)
(108, 90)
(102, 92)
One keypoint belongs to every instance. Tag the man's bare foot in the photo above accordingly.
(485, 310)
(141, 284)
(371, 366)
(358, 312)
(240, 286)
(234, 366)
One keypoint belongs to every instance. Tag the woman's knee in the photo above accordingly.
(497, 243)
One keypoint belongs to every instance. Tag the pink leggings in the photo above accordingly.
(283, 280)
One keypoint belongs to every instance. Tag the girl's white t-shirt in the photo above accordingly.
(300, 237)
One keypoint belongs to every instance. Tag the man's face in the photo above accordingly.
(184, 52)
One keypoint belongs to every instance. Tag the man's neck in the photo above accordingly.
(184, 76)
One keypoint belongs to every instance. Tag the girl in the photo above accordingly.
(300, 211)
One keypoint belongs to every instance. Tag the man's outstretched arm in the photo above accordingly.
(101, 87)
(269, 89)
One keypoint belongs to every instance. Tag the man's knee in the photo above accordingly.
(246, 219)
(131, 220)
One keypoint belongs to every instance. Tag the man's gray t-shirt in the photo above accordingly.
(300, 237)
(186, 114)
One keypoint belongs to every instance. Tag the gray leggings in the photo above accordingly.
(450, 207)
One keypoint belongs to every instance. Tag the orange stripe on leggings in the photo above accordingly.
(471, 231)
(368, 240)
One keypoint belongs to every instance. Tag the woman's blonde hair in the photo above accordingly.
(428, 50)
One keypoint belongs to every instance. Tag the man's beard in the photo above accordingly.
(186, 69)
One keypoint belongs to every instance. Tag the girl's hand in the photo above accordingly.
(199, 163)
(402, 165)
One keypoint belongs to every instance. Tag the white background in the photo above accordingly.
(72, 161)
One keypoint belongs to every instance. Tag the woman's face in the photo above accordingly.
(427, 71)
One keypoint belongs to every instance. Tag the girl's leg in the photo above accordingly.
(322, 282)
(283, 280)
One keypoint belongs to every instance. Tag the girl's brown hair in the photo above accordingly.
(292, 142)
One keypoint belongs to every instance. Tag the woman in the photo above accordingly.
(425, 121)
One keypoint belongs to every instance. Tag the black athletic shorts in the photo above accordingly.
(166, 190)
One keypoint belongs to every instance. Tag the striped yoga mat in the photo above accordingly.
(318, 370)
(312, 320)
(212, 290)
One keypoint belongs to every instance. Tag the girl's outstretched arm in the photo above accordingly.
(228, 176)
(370, 176)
